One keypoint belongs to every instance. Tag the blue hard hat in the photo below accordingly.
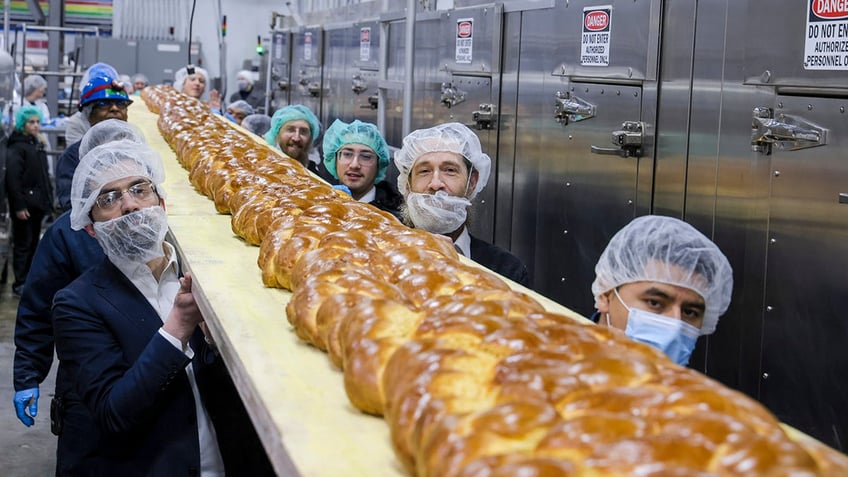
(103, 87)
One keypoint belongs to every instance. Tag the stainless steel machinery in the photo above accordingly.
(597, 112)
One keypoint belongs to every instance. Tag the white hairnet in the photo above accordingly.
(241, 105)
(32, 83)
(108, 131)
(258, 124)
(140, 77)
(667, 250)
(106, 163)
(97, 69)
(448, 137)
(182, 73)
(245, 75)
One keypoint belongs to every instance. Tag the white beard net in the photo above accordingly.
(135, 237)
(438, 213)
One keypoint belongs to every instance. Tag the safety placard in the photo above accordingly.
(365, 44)
(307, 46)
(595, 41)
(464, 40)
(826, 45)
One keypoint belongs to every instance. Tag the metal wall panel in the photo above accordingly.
(279, 71)
(583, 198)
(805, 330)
(122, 54)
(776, 214)
(306, 69)
(395, 71)
(787, 65)
(350, 73)
(337, 102)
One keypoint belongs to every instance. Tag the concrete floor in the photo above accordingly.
(24, 451)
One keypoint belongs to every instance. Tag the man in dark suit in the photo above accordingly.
(131, 335)
(442, 169)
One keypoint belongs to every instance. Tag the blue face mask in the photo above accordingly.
(673, 337)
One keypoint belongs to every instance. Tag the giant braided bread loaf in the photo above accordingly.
(474, 378)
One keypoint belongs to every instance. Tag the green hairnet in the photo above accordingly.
(340, 133)
(292, 113)
(24, 114)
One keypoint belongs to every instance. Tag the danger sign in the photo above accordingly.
(464, 40)
(365, 44)
(826, 44)
(595, 40)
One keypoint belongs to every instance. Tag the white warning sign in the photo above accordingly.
(365, 44)
(307, 46)
(595, 41)
(464, 40)
(826, 45)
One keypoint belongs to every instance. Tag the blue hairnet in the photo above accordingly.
(293, 113)
(24, 114)
(340, 133)
(653, 248)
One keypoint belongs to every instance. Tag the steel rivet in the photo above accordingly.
(562, 279)
(842, 109)
(765, 375)
(773, 241)
(769, 308)
(776, 173)
(565, 232)
(568, 184)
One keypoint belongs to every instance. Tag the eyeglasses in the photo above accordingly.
(108, 103)
(365, 157)
(141, 192)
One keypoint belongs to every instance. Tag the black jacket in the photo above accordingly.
(27, 180)
(499, 260)
(255, 98)
(387, 199)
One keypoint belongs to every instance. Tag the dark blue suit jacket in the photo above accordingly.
(61, 256)
(134, 383)
(65, 168)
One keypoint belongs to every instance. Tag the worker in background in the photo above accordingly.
(442, 169)
(35, 87)
(246, 90)
(61, 256)
(194, 85)
(103, 97)
(28, 188)
(238, 110)
(295, 130)
(258, 124)
(663, 283)
(130, 331)
(139, 82)
(77, 125)
(357, 156)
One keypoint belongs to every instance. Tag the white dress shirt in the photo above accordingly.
(160, 294)
(463, 243)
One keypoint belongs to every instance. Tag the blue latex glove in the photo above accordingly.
(27, 397)
(343, 188)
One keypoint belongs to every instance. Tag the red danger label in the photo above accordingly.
(596, 21)
(463, 29)
(365, 34)
(830, 9)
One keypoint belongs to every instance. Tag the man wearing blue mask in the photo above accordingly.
(663, 283)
